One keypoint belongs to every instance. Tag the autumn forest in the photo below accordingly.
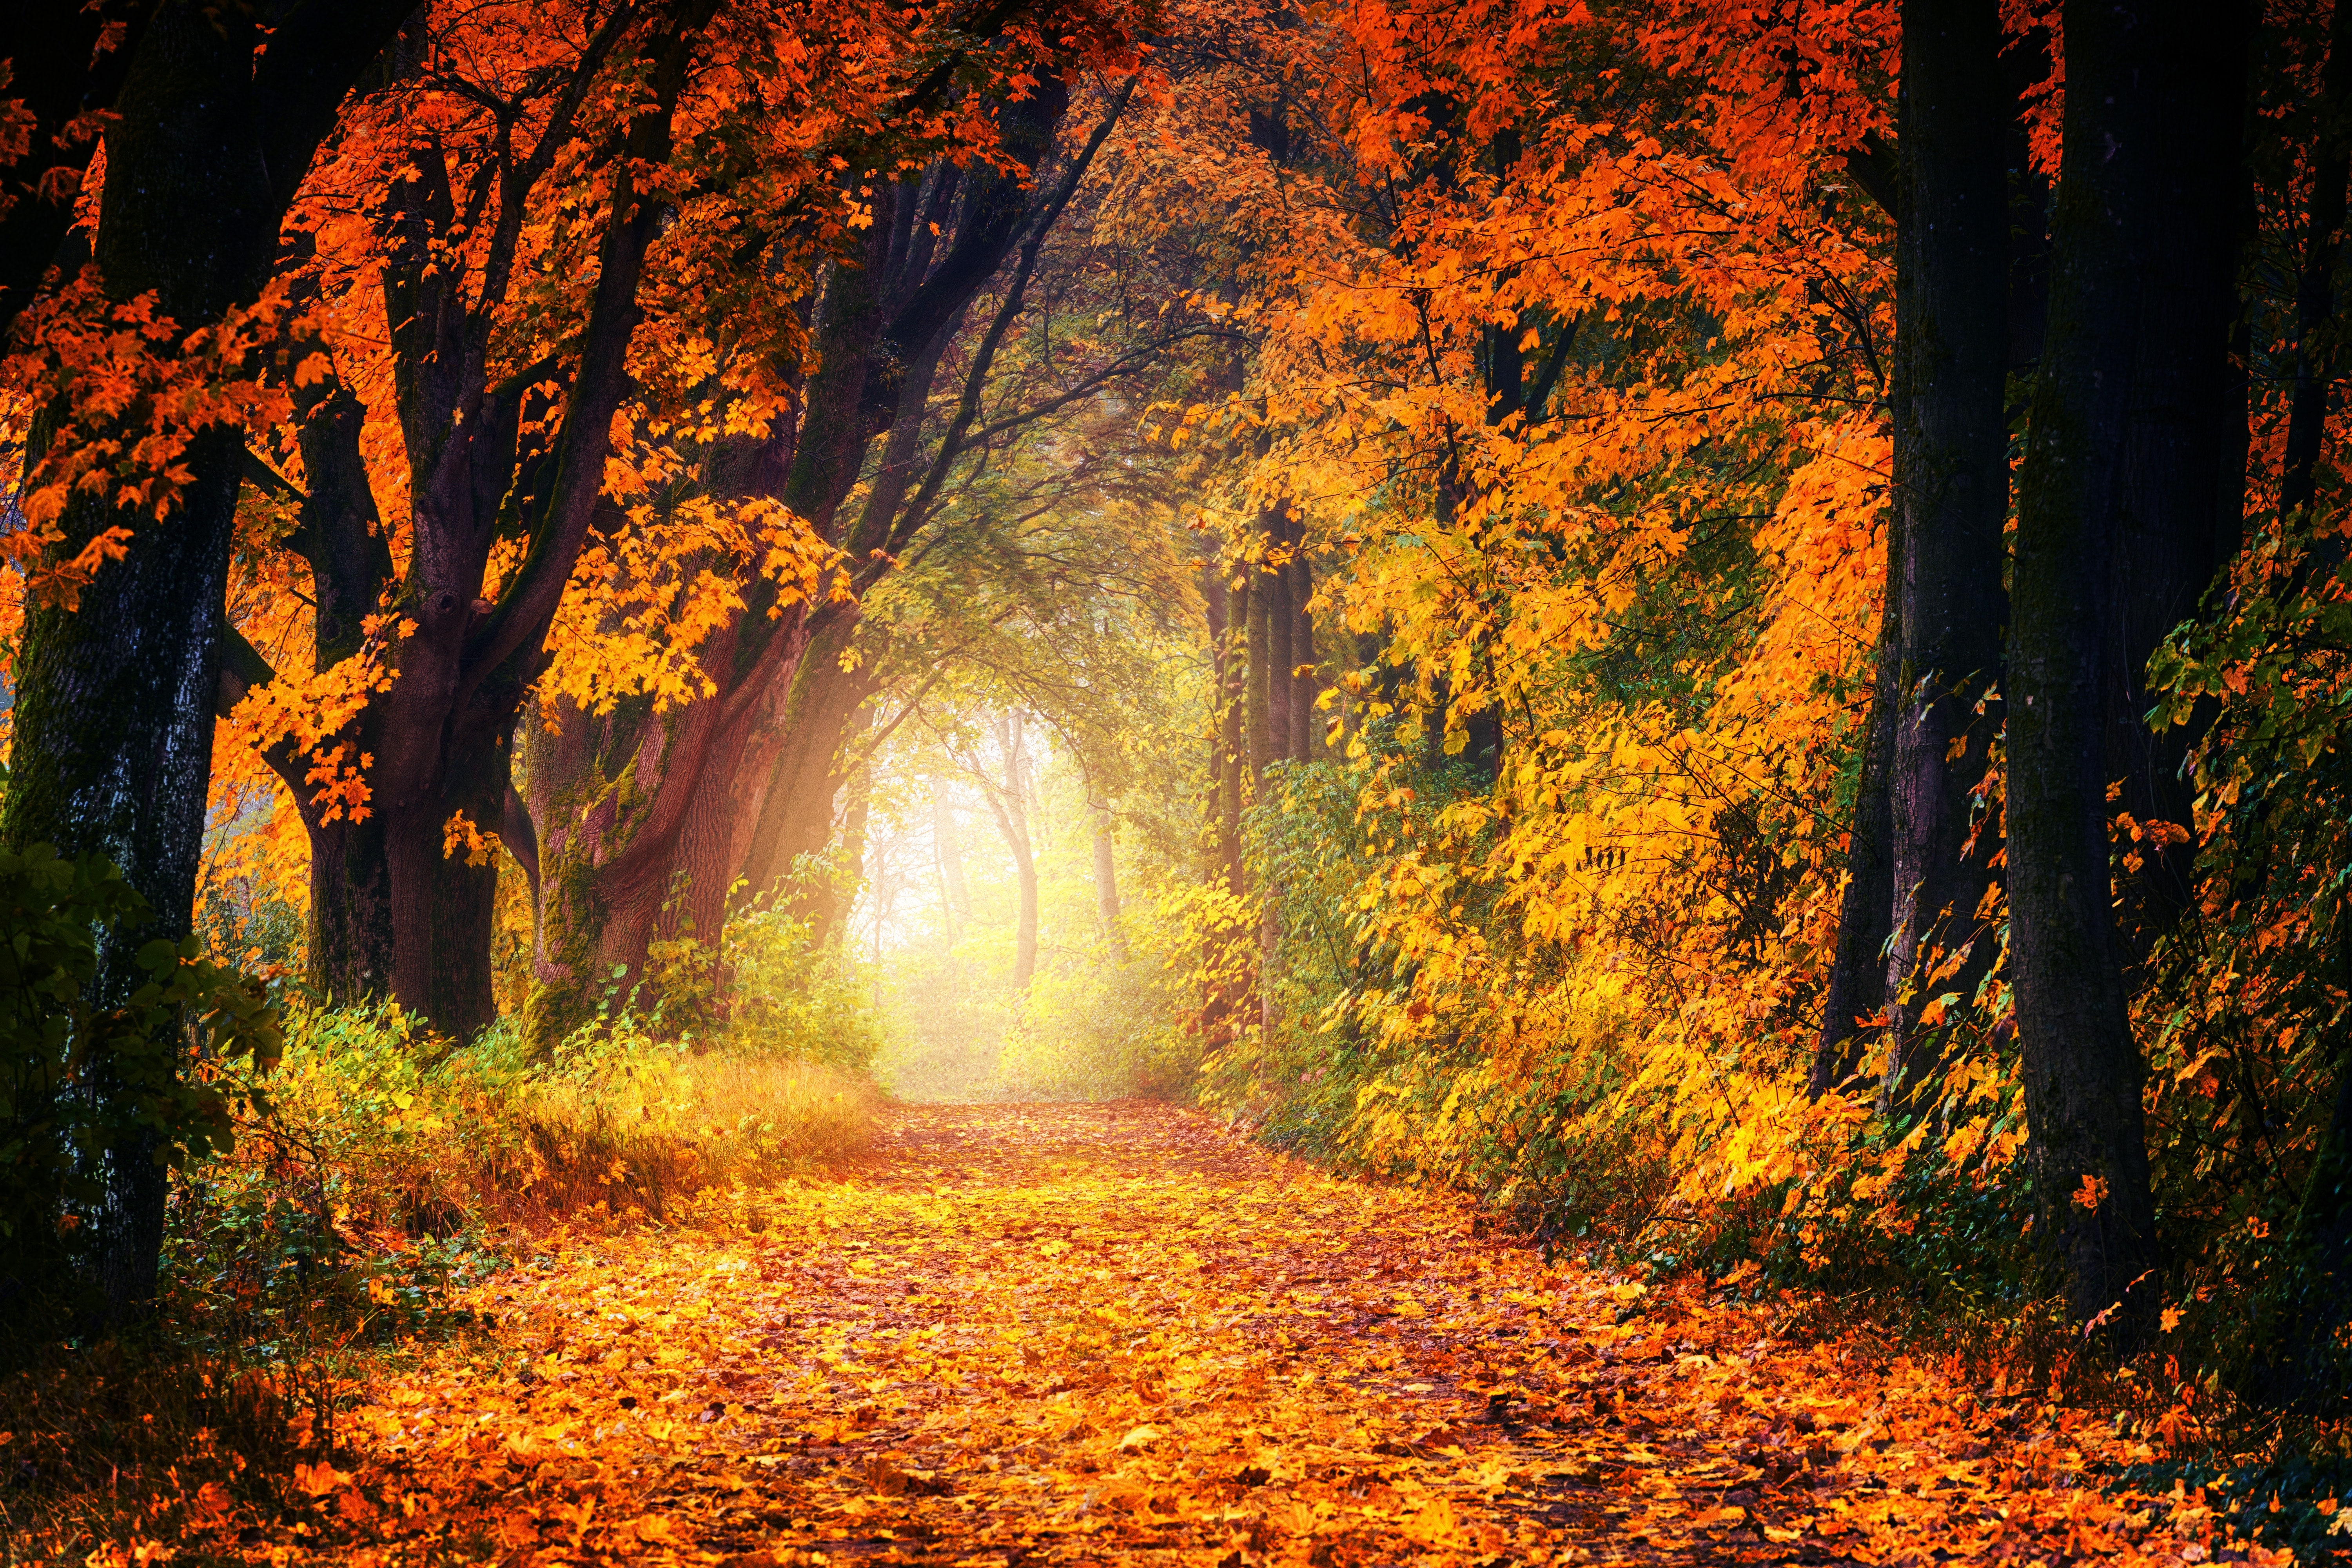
(1173, 781)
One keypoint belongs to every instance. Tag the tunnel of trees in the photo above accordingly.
(1723, 626)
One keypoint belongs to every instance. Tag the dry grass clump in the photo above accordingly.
(693, 1122)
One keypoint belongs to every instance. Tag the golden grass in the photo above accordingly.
(642, 1144)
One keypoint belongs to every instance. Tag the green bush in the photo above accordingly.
(1095, 1031)
(789, 996)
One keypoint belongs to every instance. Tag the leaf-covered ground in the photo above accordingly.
(1114, 1333)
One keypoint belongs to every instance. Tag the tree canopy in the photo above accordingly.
(1721, 627)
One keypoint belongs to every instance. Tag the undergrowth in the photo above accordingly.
(376, 1168)
(1535, 1077)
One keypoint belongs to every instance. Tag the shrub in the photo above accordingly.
(1093, 1031)
(790, 998)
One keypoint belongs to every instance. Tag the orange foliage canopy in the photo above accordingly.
(1588, 307)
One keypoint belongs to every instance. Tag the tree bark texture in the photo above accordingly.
(793, 825)
(1952, 483)
(618, 813)
(1281, 627)
(212, 133)
(1226, 599)
(2087, 1148)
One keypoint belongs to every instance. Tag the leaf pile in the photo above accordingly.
(1105, 1334)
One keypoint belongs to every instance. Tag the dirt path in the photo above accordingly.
(1113, 1335)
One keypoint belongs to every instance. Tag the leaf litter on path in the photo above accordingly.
(1114, 1334)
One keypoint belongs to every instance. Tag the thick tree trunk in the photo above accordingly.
(439, 736)
(589, 809)
(443, 907)
(1952, 480)
(2025, 64)
(633, 847)
(2176, 505)
(795, 823)
(2087, 1148)
(114, 702)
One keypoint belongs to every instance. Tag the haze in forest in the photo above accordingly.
(1710, 637)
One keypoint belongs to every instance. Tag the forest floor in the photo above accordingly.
(1114, 1333)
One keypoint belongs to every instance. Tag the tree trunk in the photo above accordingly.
(1229, 612)
(1856, 988)
(2317, 328)
(1305, 688)
(114, 702)
(754, 787)
(1225, 805)
(1255, 715)
(2087, 1147)
(883, 327)
(1952, 481)
(1009, 801)
(829, 906)
(2176, 507)
(954, 890)
(1281, 623)
(795, 824)
(438, 737)
(443, 907)
(1107, 884)
(628, 846)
